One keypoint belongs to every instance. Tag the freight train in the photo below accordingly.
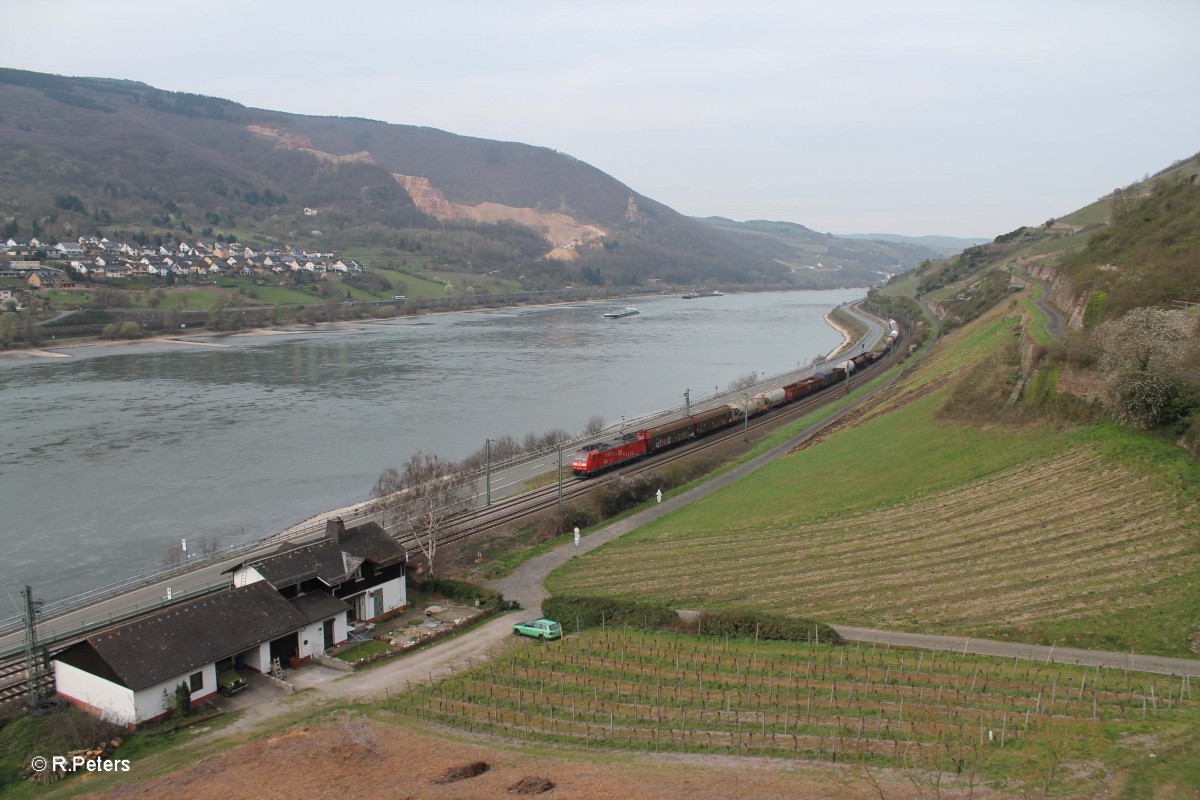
(595, 458)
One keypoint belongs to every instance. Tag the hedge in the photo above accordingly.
(579, 612)
(748, 624)
(462, 591)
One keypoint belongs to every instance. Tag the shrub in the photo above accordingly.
(751, 624)
(579, 612)
(574, 515)
(462, 591)
(625, 492)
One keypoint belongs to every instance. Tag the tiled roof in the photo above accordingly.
(189, 635)
(331, 561)
(315, 606)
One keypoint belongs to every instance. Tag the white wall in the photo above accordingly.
(395, 594)
(244, 576)
(110, 700)
(314, 635)
(259, 658)
(152, 702)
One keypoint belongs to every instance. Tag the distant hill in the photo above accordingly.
(1136, 246)
(121, 158)
(824, 258)
(943, 245)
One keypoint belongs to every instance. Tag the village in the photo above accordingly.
(28, 265)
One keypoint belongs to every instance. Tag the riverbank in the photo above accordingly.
(192, 337)
(281, 428)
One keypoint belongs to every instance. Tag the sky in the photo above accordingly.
(946, 118)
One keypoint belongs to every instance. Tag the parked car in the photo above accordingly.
(229, 682)
(539, 629)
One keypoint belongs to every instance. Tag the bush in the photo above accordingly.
(579, 612)
(461, 591)
(551, 523)
(754, 624)
(625, 492)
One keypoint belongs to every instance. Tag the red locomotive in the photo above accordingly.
(594, 458)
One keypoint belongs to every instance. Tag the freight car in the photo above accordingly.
(594, 458)
(668, 435)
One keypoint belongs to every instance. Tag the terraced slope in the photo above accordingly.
(1084, 537)
(1055, 539)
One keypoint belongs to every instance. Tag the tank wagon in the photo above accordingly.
(596, 458)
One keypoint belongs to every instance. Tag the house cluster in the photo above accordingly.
(280, 611)
(98, 258)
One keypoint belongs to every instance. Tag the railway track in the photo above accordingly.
(521, 508)
(13, 680)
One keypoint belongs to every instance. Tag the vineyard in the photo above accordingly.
(1075, 546)
(639, 691)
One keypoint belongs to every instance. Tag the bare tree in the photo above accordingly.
(423, 499)
(1143, 361)
(594, 425)
(742, 382)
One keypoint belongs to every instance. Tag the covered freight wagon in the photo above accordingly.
(667, 435)
(713, 419)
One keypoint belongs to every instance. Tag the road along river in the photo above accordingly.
(109, 457)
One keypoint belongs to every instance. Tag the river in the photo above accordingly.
(110, 456)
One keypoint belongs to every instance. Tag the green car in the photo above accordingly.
(229, 682)
(539, 629)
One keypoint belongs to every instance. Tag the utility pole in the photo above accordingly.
(35, 671)
(487, 446)
(560, 482)
(746, 417)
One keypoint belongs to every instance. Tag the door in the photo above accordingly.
(328, 635)
(377, 603)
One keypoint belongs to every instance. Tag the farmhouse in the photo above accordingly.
(129, 673)
(362, 566)
(283, 609)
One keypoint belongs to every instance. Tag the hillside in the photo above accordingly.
(119, 158)
(823, 258)
(943, 245)
(1133, 247)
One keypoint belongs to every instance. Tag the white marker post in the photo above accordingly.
(577, 537)
(659, 495)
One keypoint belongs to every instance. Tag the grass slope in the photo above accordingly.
(910, 522)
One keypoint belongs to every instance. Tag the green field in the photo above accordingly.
(993, 719)
(909, 521)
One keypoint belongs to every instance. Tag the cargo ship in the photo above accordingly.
(617, 313)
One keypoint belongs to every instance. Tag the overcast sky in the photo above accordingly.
(965, 119)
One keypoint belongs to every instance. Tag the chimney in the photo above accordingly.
(334, 528)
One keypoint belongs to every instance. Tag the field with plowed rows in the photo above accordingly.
(1084, 537)
(873, 705)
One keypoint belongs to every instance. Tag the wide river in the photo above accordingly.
(111, 456)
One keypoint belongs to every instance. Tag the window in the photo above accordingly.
(196, 681)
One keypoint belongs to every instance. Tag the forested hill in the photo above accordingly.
(120, 158)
